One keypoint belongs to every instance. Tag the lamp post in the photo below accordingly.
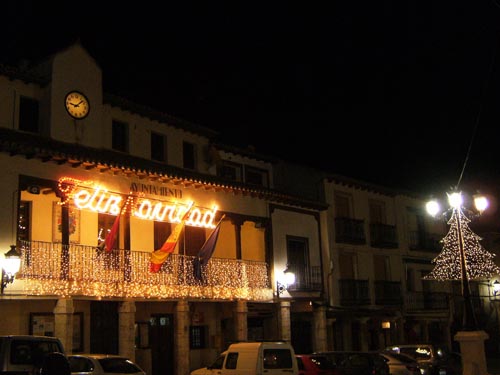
(10, 266)
(460, 239)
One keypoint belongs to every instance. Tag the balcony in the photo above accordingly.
(354, 292)
(350, 231)
(423, 241)
(383, 236)
(419, 301)
(307, 280)
(388, 293)
(52, 269)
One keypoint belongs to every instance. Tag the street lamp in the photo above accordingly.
(283, 283)
(10, 266)
(462, 257)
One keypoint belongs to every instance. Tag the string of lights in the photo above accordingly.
(94, 272)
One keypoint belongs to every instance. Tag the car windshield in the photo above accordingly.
(118, 365)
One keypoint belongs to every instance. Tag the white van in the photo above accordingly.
(254, 358)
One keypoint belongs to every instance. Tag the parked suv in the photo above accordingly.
(22, 354)
(357, 362)
(432, 359)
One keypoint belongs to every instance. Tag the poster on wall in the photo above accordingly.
(74, 224)
(43, 324)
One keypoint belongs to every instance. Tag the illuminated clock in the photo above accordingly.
(77, 105)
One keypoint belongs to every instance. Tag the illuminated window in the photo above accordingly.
(24, 221)
(162, 230)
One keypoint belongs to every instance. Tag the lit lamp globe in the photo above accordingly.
(433, 208)
(12, 261)
(289, 277)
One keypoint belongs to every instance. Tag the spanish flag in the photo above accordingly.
(158, 257)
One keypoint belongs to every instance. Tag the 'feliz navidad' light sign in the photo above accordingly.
(86, 195)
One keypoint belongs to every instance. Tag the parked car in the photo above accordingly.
(26, 353)
(432, 359)
(357, 362)
(249, 358)
(102, 364)
(401, 364)
(315, 364)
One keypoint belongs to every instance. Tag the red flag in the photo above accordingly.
(111, 236)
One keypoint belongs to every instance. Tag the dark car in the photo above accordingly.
(432, 359)
(315, 364)
(357, 362)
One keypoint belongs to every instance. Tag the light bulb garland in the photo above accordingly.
(96, 273)
(479, 262)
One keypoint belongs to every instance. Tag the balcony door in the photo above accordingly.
(298, 261)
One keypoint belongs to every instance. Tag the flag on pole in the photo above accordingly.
(206, 252)
(109, 241)
(158, 257)
(208, 247)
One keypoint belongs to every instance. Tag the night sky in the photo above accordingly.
(387, 92)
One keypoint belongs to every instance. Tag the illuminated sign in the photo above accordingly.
(87, 196)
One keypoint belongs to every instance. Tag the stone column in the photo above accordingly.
(241, 320)
(63, 329)
(285, 328)
(126, 324)
(472, 351)
(320, 330)
(182, 338)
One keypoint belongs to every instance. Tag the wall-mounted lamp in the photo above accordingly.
(496, 288)
(287, 280)
(10, 266)
(386, 325)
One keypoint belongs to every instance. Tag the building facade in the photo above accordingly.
(94, 185)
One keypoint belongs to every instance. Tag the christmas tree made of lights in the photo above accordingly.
(479, 262)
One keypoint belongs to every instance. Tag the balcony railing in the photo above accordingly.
(383, 235)
(349, 231)
(53, 269)
(307, 280)
(419, 240)
(388, 293)
(354, 292)
(417, 301)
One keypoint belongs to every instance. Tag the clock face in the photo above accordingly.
(77, 105)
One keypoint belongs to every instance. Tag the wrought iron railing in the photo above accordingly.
(388, 293)
(354, 292)
(423, 241)
(416, 301)
(349, 230)
(307, 279)
(49, 268)
(383, 235)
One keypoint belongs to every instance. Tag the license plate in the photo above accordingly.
(442, 372)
